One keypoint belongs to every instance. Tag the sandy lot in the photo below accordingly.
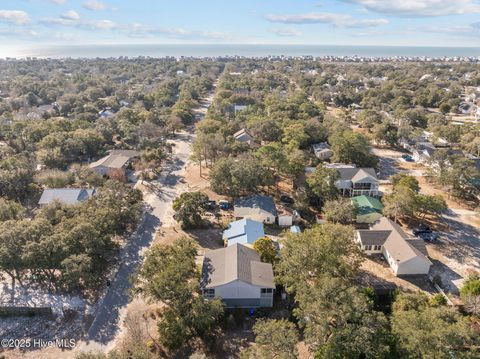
(458, 249)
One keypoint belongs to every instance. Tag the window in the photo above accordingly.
(362, 185)
(266, 290)
(367, 248)
(377, 248)
(209, 293)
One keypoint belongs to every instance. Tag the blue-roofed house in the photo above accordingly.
(65, 195)
(295, 230)
(244, 231)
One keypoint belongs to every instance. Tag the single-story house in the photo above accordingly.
(423, 152)
(405, 255)
(115, 160)
(239, 108)
(356, 181)
(236, 275)
(244, 231)
(65, 195)
(243, 136)
(369, 209)
(256, 207)
(322, 150)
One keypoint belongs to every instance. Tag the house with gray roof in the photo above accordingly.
(236, 275)
(257, 207)
(405, 255)
(69, 196)
(115, 160)
(245, 137)
(244, 231)
(355, 181)
(322, 151)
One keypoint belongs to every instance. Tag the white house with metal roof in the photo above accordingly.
(244, 231)
(236, 275)
(405, 255)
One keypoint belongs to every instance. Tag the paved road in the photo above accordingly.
(105, 327)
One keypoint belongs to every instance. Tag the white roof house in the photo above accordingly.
(405, 255)
(65, 195)
(244, 231)
(236, 275)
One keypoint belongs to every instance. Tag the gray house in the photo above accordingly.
(116, 160)
(244, 136)
(257, 207)
(322, 150)
(357, 181)
(405, 255)
(236, 275)
(65, 195)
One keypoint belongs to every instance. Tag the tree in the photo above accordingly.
(339, 321)
(10, 210)
(274, 339)
(322, 183)
(432, 332)
(341, 211)
(55, 178)
(386, 133)
(402, 179)
(169, 275)
(370, 118)
(430, 204)
(236, 177)
(400, 204)
(330, 250)
(470, 293)
(189, 208)
(352, 147)
(267, 250)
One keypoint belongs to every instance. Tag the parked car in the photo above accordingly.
(286, 199)
(408, 158)
(211, 205)
(428, 236)
(225, 205)
(422, 228)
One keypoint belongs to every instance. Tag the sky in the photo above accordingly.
(36, 23)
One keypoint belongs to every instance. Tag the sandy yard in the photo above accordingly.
(375, 270)
(458, 249)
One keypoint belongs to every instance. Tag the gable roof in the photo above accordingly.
(241, 132)
(255, 204)
(237, 262)
(356, 174)
(115, 159)
(373, 238)
(245, 231)
(65, 195)
(398, 243)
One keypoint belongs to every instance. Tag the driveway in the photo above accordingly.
(159, 195)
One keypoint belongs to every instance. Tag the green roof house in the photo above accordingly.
(369, 209)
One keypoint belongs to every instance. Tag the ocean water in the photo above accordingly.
(107, 51)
